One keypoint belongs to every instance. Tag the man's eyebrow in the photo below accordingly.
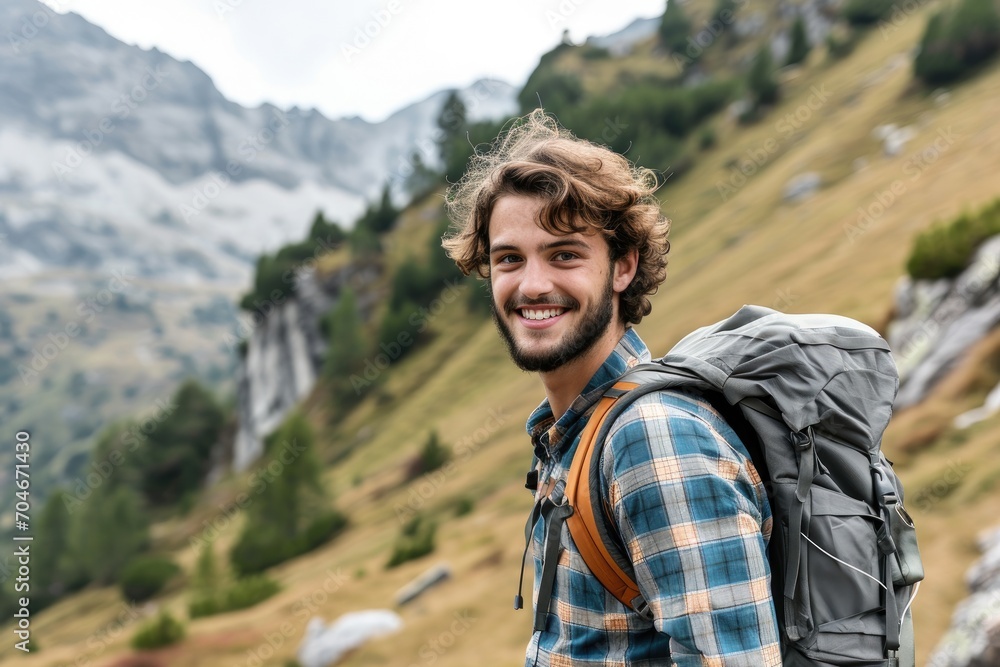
(501, 246)
(561, 243)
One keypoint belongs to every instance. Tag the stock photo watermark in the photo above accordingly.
(432, 482)
(29, 26)
(258, 482)
(248, 150)
(710, 31)
(914, 167)
(435, 647)
(101, 471)
(363, 35)
(121, 109)
(262, 309)
(758, 156)
(419, 320)
(303, 608)
(56, 342)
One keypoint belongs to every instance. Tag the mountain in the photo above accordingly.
(841, 247)
(110, 150)
(134, 202)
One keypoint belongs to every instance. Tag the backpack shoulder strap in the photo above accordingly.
(589, 525)
(583, 523)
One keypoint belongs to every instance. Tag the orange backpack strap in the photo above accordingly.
(582, 524)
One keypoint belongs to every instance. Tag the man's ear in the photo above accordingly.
(625, 268)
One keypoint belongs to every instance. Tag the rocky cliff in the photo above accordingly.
(285, 351)
(973, 640)
(936, 321)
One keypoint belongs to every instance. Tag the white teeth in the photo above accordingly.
(540, 314)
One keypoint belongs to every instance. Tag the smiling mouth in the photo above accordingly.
(540, 313)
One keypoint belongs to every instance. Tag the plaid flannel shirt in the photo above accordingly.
(695, 520)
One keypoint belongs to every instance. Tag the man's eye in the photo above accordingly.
(508, 259)
(566, 256)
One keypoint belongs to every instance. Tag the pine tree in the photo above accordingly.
(762, 82)
(450, 122)
(936, 62)
(205, 582)
(975, 30)
(345, 356)
(283, 513)
(453, 145)
(53, 566)
(675, 28)
(113, 527)
(176, 458)
(292, 497)
(800, 45)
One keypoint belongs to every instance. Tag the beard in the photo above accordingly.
(573, 345)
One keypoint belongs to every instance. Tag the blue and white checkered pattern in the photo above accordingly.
(695, 520)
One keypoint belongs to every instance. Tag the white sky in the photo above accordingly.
(302, 52)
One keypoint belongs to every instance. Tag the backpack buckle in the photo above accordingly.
(641, 607)
(800, 440)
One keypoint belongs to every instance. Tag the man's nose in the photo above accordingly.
(536, 279)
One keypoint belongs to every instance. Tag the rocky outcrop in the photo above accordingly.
(285, 352)
(973, 640)
(937, 321)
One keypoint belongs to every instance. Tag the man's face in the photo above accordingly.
(554, 296)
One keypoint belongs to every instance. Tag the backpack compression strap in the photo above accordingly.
(582, 523)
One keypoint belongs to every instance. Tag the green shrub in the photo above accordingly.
(432, 456)
(559, 92)
(761, 80)
(957, 41)
(464, 505)
(595, 53)
(274, 275)
(800, 47)
(258, 548)
(242, 593)
(416, 539)
(203, 606)
(321, 530)
(706, 139)
(866, 12)
(249, 591)
(710, 97)
(944, 250)
(161, 631)
(675, 28)
(145, 576)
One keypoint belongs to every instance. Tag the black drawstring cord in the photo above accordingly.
(518, 600)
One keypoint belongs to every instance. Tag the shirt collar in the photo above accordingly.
(549, 436)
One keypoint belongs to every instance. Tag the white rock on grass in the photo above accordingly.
(802, 186)
(325, 645)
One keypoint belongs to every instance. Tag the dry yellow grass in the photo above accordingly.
(749, 248)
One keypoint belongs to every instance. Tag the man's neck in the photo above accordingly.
(565, 383)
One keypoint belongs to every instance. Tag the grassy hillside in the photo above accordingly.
(745, 247)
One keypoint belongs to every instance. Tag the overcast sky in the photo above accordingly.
(316, 53)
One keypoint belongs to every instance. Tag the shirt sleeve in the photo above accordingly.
(694, 518)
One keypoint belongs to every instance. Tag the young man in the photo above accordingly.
(572, 241)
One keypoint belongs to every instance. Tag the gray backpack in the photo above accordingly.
(809, 396)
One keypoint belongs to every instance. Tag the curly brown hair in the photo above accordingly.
(585, 187)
